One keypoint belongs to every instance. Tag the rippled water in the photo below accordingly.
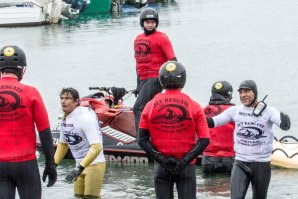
(215, 39)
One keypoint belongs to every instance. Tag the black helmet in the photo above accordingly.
(172, 75)
(251, 85)
(12, 57)
(222, 88)
(148, 13)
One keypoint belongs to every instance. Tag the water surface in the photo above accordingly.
(215, 39)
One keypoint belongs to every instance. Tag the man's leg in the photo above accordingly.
(94, 175)
(240, 179)
(148, 89)
(7, 185)
(164, 185)
(260, 179)
(27, 178)
(186, 183)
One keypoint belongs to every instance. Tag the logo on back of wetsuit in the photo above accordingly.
(171, 114)
(215, 110)
(10, 102)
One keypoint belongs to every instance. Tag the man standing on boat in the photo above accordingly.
(173, 131)
(80, 132)
(253, 140)
(219, 155)
(152, 49)
(21, 111)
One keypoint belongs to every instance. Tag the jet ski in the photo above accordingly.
(117, 125)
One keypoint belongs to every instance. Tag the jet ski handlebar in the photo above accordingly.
(118, 93)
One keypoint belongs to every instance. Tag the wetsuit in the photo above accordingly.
(253, 143)
(174, 122)
(80, 129)
(21, 111)
(218, 157)
(151, 51)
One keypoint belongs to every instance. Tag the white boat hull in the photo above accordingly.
(26, 13)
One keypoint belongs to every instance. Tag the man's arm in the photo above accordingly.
(147, 146)
(48, 149)
(197, 149)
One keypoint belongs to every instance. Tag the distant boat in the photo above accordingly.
(98, 6)
(30, 12)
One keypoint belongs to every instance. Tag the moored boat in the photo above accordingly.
(31, 12)
(98, 6)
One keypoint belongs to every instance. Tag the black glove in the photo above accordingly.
(72, 176)
(136, 92)
(285, 121)
(50, 170)
(210, 122)
(118, 93)
(169, 164)
(180, 165)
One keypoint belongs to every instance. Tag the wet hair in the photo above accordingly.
(73, 92)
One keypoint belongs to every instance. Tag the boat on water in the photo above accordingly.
(285, 152)
(33, 12)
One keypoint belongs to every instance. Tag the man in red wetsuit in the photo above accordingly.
(173, 131)
(218, 157)
(21, 111)
(152, 49)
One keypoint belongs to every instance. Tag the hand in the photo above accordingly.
(72, 176)
(136, 92)
(180, 165)
(169, 164)
(50, 170)
(285, 121)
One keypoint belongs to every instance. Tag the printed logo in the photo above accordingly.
(210, 112)
(9, 101)
(142, 50)
(171, 114)
(73, 139)
(250, 133)
(218, 86)
(170, 67)
(9, 51)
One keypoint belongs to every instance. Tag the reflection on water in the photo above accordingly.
(216, 185)
(135, 181)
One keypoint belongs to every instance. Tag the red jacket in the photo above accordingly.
(175, 122)
(151, 52)
(21, 108)
(221, 138)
